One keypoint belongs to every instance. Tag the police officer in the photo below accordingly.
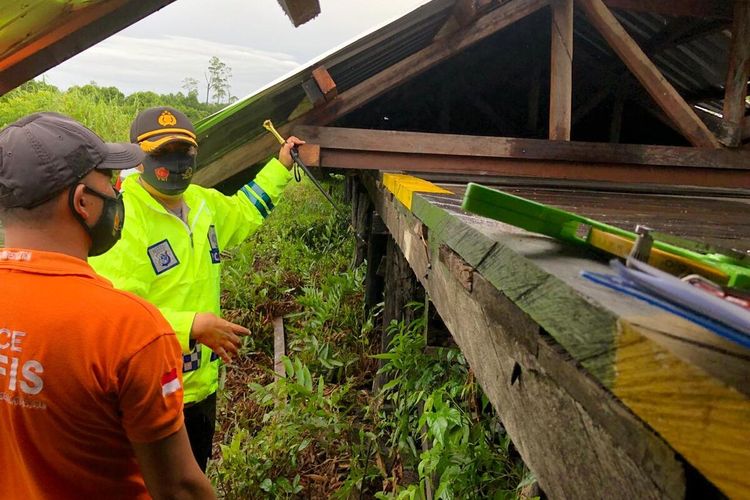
(170, 251)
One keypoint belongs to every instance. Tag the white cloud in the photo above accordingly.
(160, 64)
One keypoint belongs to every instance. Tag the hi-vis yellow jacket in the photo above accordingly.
(177, 266)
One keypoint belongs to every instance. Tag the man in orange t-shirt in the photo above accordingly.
(90, 376)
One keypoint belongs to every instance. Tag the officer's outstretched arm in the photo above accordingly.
(170, 470)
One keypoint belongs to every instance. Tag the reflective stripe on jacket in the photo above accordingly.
(177, 266)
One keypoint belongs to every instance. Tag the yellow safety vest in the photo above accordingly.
(177, 266)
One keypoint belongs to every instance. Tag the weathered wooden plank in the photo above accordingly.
(576, 438)
(469, 146)
(561, 70)
(737, 74)
(665, 95)
(721, 222)
(279, 346)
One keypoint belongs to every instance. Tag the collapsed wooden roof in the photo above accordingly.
(36, 35)
(642, 72)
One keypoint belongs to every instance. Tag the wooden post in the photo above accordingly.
(401, 287)
(361, 219)
(535, 89)
(279, 346)
(615, 127)
(377, 240)
(737, 75)
(649, 75)
(561, 72)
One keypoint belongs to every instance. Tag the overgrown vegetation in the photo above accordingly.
(106, 110)
(318, 432)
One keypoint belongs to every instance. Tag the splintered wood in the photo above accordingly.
(300, 11)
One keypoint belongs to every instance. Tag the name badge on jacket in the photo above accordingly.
(214, 242)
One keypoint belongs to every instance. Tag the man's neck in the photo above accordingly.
(53, 240)
(171, 203)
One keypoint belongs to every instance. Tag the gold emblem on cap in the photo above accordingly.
(167, 119)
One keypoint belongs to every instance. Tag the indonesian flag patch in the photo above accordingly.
(170, 383)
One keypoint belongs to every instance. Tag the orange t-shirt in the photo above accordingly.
(84, 370)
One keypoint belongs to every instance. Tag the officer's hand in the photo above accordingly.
(285, 156)
(219, 335)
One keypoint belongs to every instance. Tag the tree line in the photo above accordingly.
(109, 111)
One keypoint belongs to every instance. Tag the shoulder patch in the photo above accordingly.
(162, 257)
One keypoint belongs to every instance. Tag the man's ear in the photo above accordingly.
(81, 203)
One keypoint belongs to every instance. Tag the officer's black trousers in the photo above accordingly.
(200, 422)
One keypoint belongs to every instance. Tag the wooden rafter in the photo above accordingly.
(649, 75)
(501, 156)
(737, 75)
(561, 71)
(441, 49)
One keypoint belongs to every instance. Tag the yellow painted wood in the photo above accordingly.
(700, 417)
(669, 262)
(403, 187)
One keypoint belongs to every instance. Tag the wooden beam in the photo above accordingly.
(525, 158)
(255, 151)
(737, 75)
(649, 75)
(561, 71)
(300, 11)
(690, 8)
(313, 93)
(330, 139)
(325, 82)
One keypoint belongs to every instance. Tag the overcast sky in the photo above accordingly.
(253, 37)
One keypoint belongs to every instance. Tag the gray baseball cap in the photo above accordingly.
(44, 153)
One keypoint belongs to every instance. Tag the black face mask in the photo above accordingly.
(170, 173)
(108, 229)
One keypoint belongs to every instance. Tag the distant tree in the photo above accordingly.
(190, 85)
(217, 80)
